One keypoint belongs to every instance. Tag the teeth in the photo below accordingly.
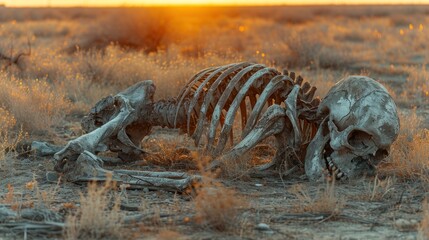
(334, 170)
(330, 163)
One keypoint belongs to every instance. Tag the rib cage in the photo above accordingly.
(215, 94)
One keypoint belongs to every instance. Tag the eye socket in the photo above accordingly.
(381, 154)
(359, 139)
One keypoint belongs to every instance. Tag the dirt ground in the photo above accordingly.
(390, 210)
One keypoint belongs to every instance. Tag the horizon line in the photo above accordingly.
(125, 5)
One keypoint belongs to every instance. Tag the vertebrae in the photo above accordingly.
(216, 94)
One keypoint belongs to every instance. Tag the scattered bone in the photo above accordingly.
(88, 167)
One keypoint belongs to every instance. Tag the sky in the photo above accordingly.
(65, 3)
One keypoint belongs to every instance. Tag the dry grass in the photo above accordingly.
(417, 85)
(168, 234)
(98, 216)
(380, 189)
(322, 201)
(170, 153)
(423, 230)
(8, 139)
(409, 158)
(35, 104)
(43, 198)
(130, 29)
(7, 122)
(181, 43)
(216, 206)
(237, 168)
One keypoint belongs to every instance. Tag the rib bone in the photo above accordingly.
(211, 97)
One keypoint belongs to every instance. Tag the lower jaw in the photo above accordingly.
(333, 170)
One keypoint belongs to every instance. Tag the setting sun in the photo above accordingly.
(87, 3)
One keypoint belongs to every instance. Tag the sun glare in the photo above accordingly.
(87, 3)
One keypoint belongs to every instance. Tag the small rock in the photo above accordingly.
(52, 177)
(406, 225)
(258, 185)
(263, 227)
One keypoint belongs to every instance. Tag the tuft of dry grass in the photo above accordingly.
(380, 189)
(423, 230)
(96, 218)
(326, 201)
(237, 168)
(216, 206)
(170, 153)
(7, 122)
(8, 139)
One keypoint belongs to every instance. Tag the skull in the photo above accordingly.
(360, 122)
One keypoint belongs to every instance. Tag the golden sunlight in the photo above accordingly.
(88, 3)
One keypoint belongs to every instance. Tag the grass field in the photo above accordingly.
(56, 63)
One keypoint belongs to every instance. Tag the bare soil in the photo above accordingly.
(271, 199)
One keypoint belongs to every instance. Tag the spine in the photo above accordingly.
(164, 112)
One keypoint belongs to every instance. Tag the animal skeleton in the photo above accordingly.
(351, 128)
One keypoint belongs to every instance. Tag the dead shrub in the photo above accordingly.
(129, 29)
(94, 219)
